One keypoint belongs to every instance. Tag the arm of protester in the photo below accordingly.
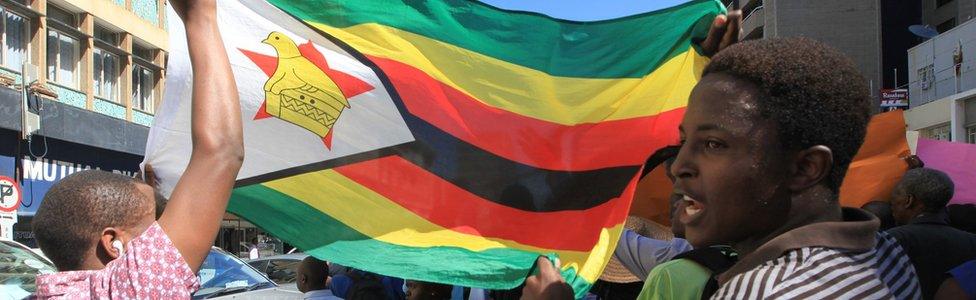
(199, 199)
(640, 254)
(548, 284)
(724, 32)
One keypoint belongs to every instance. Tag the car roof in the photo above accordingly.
(293, 256)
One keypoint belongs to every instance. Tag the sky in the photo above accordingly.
(585, 10)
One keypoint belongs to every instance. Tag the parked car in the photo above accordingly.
(224, 276)
(280, 268)
(18, 268)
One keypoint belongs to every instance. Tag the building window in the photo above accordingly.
(941, 132)
(15, 37)
(62, 16)
(143, 52)
(105, 35)
(106, 75)
(62, 58)
(143, 88)
(941, 3)
(971, 134)
(945, 26)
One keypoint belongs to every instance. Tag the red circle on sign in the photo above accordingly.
(9, 188)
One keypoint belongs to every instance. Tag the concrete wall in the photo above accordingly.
(136, 23)
(962, 10)
(928, 115)
(938, 52)
(852, 26)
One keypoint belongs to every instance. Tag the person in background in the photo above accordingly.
(311, 278)
(617, 282)
(100, 228)
(421, 290)
(254, 249)
(919, 204)
(359, 284)
(882, 210)
(960, 283)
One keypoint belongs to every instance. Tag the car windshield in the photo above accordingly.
(222, 273)
(18, 268)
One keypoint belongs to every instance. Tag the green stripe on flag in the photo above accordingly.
(318, 234)
(625, 47)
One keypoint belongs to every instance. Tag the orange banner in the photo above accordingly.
(879, 164)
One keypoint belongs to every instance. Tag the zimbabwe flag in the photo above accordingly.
(443, 140)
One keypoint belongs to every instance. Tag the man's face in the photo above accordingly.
(899, 207)
(731, 170)
(676, 206)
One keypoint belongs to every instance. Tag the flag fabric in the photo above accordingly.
(958, 160)
(442, 140)
(879, 163)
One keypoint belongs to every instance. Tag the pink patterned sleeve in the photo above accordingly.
(151, 268)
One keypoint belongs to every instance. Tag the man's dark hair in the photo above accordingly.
(814, 94)
(316, 271)
(76, 210)
(931, 187)
(882, 210)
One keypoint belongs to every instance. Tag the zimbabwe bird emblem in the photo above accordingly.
(302, 89)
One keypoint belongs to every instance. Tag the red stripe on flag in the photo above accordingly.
(528, 140)
(452, 207)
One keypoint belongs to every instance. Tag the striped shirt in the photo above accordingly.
(876, 270)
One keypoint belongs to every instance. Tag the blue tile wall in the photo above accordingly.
(147, 10)
(69, 96)
(142, 118)
(109, 108)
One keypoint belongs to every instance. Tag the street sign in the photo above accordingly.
(9, 201)
(9, 194)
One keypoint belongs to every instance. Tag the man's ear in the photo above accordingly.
(910, 201)
(810, 167)
(104, 248)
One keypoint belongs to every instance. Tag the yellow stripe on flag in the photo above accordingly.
(347, 202)
(526, 91)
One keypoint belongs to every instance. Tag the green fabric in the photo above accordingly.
(625, 47)
(290, 220)
(675, 280)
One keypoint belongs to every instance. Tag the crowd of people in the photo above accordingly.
(767, 137)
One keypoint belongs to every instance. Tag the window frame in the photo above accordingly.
(76, 72)
(3, 39)
(971, 134)
(941, 132)
(136, 97)
(99, 79)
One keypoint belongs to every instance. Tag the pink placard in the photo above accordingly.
(956, 159)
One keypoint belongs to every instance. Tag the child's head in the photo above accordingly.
(85, 212)
(772, 126)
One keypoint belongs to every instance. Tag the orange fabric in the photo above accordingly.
(651, 197)
(879, 164)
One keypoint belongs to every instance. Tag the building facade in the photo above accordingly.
(94, 73)
(944, 15)
(942, 85)
(853, 27)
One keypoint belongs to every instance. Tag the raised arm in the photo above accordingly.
(198, 202)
